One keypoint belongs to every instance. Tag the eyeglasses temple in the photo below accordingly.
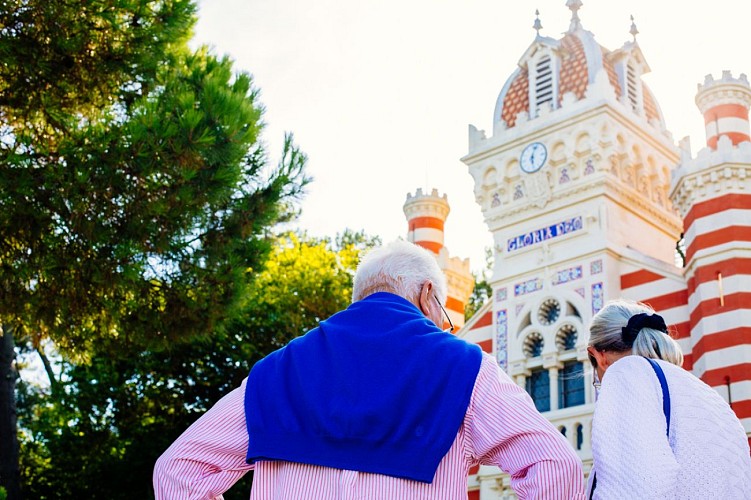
(451, 324)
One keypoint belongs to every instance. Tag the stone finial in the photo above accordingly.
(538, 25)
(633, 29)
(574, 6)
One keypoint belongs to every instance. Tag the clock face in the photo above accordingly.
(533, 157)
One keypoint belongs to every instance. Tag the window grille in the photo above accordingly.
(571, 385)
(543, 83)
(631, 86)
(538, 386)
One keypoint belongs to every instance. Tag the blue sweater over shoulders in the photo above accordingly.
(375, 388)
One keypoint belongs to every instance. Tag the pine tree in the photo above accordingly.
(135, 194)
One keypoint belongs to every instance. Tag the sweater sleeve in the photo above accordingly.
(630, 447)
(505, 430)
(209, 457)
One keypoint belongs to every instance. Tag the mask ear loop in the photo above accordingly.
(596, 383)
(595, 378)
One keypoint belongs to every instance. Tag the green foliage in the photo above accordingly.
(482, 290)
(135, 206)
(134, 222)
(63, 58)
(115, 416)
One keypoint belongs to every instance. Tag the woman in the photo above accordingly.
(701, 453)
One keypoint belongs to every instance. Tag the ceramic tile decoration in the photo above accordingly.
(567, 275)
(595, 267)
(528, 286)
(501, 328)
(597, 297)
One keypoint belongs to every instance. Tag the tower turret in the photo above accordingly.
(426, 215)
(725, 104)
(711, 193)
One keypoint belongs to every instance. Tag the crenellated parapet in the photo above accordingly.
(724, 104)
(713, 173)
(426, 215)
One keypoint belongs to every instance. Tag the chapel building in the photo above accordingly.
(588, 199)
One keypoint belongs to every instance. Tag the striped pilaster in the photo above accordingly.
(718, 272)
(725, 104)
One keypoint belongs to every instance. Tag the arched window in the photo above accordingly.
(571, 384)
(538, 386)
(549, 312)
(566, 337)
(533, 345)
(549, 328)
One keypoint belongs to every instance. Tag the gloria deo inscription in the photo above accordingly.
(546, 233)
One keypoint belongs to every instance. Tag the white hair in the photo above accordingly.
(605, 333)
(401, 268)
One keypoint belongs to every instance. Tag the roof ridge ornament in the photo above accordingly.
(574, 6)
(633, 29)
(538, 25)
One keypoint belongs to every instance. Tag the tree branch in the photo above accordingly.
(54, 383)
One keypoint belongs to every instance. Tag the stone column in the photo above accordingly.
(518, 371)
(550, 363)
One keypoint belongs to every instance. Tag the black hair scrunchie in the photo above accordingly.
(639, 321)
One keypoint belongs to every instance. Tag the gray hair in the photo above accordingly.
(605, 333)
(401, 268)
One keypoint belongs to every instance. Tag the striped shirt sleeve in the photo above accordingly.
(209, 457)
(506, 430)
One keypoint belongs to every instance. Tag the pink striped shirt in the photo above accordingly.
(501, 427)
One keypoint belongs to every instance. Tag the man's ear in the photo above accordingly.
(425, 298)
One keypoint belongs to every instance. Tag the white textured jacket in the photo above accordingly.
(706, 456)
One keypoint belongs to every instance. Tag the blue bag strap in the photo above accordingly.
(665, 391)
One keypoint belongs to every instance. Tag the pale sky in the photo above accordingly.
(379, 93)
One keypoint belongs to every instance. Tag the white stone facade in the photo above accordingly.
(601, 219)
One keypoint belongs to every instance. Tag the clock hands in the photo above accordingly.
(537, 155)
(533, 157)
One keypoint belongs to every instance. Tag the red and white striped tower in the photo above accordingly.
(712, 192)
(426, 215)
(725, 104)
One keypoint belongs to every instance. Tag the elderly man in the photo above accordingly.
(377, 402)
